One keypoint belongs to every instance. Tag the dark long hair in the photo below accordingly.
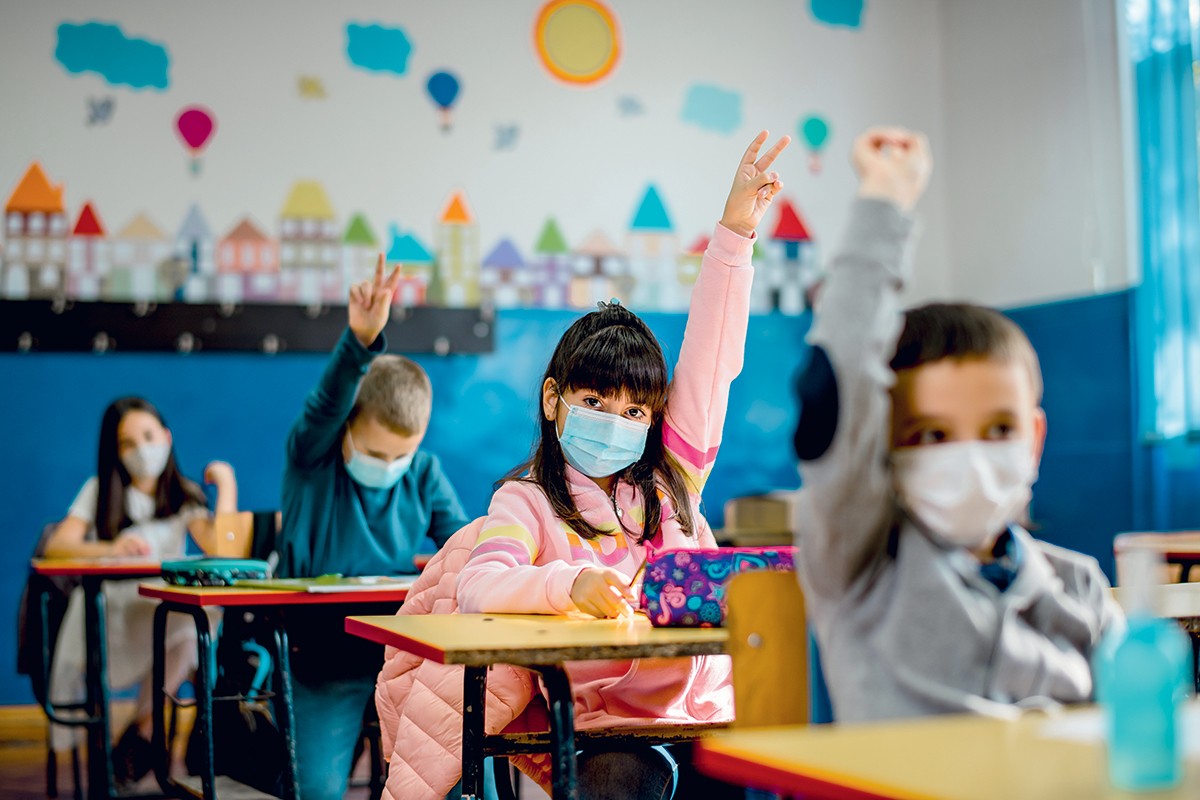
(173, 490)
(610, 351)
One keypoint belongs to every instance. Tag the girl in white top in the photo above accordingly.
(137, 504)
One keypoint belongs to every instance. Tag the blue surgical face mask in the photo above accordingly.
(375, 473)
(600, 444)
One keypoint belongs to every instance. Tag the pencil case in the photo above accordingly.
(214, 571)
(686, 588)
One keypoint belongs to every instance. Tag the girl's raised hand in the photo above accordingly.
(371, 302)
(602, 592)
(893, 164)
(753, 187)
(219, 474)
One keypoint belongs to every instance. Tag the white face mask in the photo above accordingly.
(147, 460)
(965, 493)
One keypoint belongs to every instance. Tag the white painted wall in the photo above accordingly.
(375, 144)
(1035, 155)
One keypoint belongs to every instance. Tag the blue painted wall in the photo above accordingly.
(239, 407)
(1091, 464)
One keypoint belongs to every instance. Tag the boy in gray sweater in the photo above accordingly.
(919, 440)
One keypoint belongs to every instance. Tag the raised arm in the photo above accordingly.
(844, 509)
(715, 336)
(318, 430)
(221, 475)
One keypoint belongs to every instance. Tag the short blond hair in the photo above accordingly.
(397, 392)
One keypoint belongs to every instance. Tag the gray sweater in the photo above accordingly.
(906, 626)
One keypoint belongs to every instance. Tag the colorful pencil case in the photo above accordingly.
(214, 571)
(686, 588)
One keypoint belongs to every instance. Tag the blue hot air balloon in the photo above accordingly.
(443, 90)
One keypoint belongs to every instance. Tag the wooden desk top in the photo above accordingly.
(942, 758)
(531, 639)
(230, 596)
(114, 567)
(1171, 544)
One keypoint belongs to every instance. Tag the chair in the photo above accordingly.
(41, 609)
(757, 520)
(768, 642)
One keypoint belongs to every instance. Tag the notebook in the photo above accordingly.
(328, 584)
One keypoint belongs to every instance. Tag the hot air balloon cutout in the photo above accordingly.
(195, 126)
(443, 90)
(815, 132)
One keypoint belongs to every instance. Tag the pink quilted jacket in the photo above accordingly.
(420, 702)
(525, 560)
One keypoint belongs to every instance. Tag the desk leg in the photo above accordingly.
(100, 778)
(562, 732)
(474, 702)
(206, 676)
(162, 754)
(283, 708)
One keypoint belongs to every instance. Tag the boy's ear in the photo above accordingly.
(549, 398)
(1039, 434)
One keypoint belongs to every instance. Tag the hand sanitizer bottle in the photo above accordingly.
(1143, 671)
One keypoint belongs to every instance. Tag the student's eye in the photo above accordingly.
(636, 413)
(592, 402)
(1000, 430)
(929, 436)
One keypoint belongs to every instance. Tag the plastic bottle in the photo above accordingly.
(1143, 672)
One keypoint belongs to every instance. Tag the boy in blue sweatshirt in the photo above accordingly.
(359, 498)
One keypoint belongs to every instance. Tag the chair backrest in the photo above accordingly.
(241, 534)
(768, 640)
(757, 520)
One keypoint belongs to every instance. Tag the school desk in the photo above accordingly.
(92, 572)
(1176, 547)
(957, 757)
(193, 600)
(541, 643)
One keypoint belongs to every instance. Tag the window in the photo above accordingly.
(1162, 37)
(37, 223)
(266, 256)
(58, 225)
(16, 223)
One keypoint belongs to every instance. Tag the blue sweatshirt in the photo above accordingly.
(331, 523)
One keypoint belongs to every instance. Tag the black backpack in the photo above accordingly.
(38, 622)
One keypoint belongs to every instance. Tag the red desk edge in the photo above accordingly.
(270, 597)
(771, 778)
(134, 569)
(371, 633)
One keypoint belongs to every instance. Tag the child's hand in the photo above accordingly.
(602, 592)
(893, 164)
(371, 302)
(130, 544)
(220, 474)
(753, 187)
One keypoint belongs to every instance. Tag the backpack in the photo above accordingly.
(38, 622)
(247, 744)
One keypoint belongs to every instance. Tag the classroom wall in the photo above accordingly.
(1036, 151)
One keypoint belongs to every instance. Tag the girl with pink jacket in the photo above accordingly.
(616, 474)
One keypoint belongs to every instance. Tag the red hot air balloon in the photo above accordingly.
(195, 126)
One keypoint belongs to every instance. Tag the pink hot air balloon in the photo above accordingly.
(195, 125)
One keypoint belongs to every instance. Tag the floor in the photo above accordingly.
(23, 757)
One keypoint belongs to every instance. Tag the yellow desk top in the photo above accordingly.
(941, 758)
(529, 639)
(118, 566)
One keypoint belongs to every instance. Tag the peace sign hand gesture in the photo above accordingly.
(753, 187)
(371, 302)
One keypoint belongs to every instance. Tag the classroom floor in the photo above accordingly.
(23, 755)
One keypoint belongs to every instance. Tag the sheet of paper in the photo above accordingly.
(1088, 726)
